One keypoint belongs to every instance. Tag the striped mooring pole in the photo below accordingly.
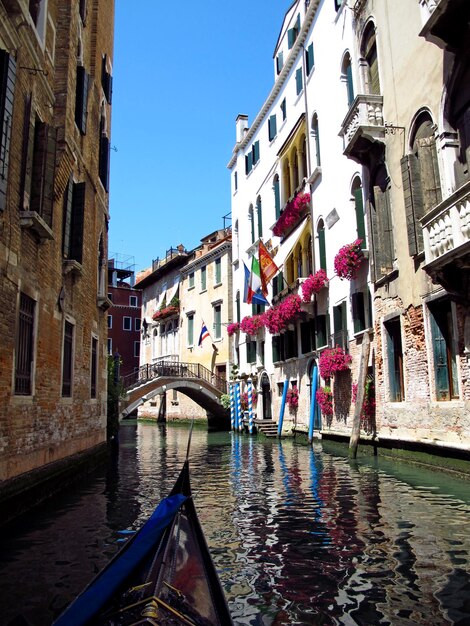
(238, 406)
(232, 406)
(250, 406)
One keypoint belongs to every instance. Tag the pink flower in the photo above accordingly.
(291, 214)
(325, 400)
(314, 284)
(277, 318)
(251, 325)
(244, 400)
(348, 260)
(292, 398)
(333, 360)
(165, 312)
(233, 328)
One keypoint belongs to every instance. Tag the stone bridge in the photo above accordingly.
(192, 379)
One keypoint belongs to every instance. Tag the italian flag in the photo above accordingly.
(255, 279)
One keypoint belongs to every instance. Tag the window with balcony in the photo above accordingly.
(444, 340)
(421, 180)
(24, 354)
(369, 54)
(7, 87)
(67, 359)
(394, 347)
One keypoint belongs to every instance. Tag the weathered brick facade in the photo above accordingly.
(53, 241)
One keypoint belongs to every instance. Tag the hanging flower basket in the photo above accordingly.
(279, 317)
(314, 284)
(292, 399)
(165, 312)
(251, 325)
(325, 400)
(348, 260)
(291, 214)
(244, 400)
(333, 360)
(233, 328)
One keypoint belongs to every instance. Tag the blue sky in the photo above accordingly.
(182, 73)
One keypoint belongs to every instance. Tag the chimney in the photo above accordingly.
(241, 126)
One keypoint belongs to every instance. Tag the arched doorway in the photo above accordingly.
(266, 395)
(317, 415)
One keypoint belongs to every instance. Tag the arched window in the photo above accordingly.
(251, 219)
(299, 262)
(356, 192)
(286, 186)
(155, 343)
(321, 244)
(295, 169)
(369, 53)
(309, 257)
(259, 217)
(316, 138)
(277, 196)
(421, 180)
(346, 76)
(304, 170)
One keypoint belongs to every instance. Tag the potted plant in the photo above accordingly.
(348, 260)
(314, 284)
(333, 360)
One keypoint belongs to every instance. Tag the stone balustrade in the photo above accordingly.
(364, 119)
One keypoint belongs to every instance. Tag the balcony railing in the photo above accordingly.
(447, 227)
(439, 19)
(363, 125)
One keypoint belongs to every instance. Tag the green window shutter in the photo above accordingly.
(248, 162)
(358, 311)
(277, 198)
(217, 322)
(413, 202)
(218, 271)
(7, 89)
(67, 224)
(78, 214)
(373, 63)
(284, 109)
(385, 231)
(349, 83)
(272, 127)
(203, 278)
(81, 98)
(190, 330)
(279, 62)
(305, 337)
(28, 163)
(251, 217)
(259, 216)
(43, 169)
(337, 319)
(441, 370)
(322, 248)
(431, 184)
(391, 361)
(359, 207)
(321, 331)
(104, 161)
(309, 59)
(275, 347)
(291, 37)
(49, 173)
(255, 152)
(298, 80)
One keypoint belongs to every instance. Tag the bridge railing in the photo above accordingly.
(150, 371)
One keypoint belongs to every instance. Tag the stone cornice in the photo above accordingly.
(209, 256)
(282, 78)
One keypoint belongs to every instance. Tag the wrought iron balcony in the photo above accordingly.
(445, 22)
(363, 127)
(446, 231)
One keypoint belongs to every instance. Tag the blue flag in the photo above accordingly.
(257, 297)
(203, 335)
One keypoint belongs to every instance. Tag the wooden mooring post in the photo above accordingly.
(361, 384)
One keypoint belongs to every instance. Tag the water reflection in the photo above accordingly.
(299, 534)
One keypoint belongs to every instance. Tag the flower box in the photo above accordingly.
(291, 214)
(333, 360)
(313, 284)
(165, 312)
(349, 259)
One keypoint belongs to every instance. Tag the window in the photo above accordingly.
(421, 181)
(39, 166)
(346, 75)
(110, 296)
(369, 53)
(24, 356)
(252, 157)
(191, 280)
(94, 366)
(218, 271)
(110, 321)
(38, 12)
(394, 360)
(290, 341)
(237, 306)
(340, 325)
(7, 87)
(251, 351)
(298, 81)
(132, 300)
(277, 197)
(382, 244)
(137, 324)
(321, 329)
(67, 360)
(81, 98)
(359, 210)
(316, 138)
(127, 323)
(136, 349)
(283, 109)
(251, 219)
(272, 127)
(203, 278)
(217, 321)
(106, 80)
(257, 308)
(321, 244)
(110, 345)
(190, 336)
(309, 59)
(338, 4)
(74, 209)
(307, 336)
(444, 352)
(293, 33)
(259, 217)
(361, 307)
(235, 181)
(279, 62)
(103, 156)
(82, 10)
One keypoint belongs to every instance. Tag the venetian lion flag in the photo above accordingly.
(268, 269)
(204, 334)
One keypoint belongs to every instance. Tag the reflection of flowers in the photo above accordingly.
(292, 398)
(314, 284)
(291, 214)
(325, 400)
(348, 260)
(233, 328)
(277, 318)
(244, 400)
(333, 360)
(251, 325)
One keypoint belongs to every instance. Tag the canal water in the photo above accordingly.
(299, 534)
